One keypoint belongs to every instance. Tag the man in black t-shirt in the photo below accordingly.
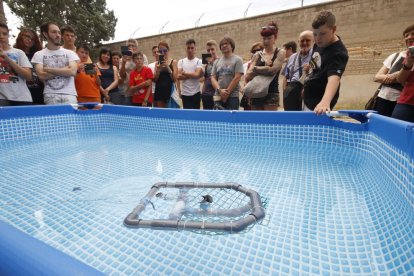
(329, 59)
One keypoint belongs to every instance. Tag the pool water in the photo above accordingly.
(327, 211)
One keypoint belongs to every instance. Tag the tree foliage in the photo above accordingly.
(2, 15)
(92, 21)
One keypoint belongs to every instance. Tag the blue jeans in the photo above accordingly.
(116, 98)
(404, 112)
(231, 103)
(127, 100)
(208, 103)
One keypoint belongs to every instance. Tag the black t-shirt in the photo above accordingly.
(327, 62)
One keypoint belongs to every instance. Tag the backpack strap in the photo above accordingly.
(394, 58)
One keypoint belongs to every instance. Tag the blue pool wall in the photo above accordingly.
(386, 143)
(370, 138)
(20, 254)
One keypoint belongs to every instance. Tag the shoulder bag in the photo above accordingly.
(370, 105)
(258, 87)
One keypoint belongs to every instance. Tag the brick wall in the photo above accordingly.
(371, 30)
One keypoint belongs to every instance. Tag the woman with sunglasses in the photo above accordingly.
(28, 41)
(165, 76)
(267, 62)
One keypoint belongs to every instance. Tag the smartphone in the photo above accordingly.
(411, 49)
(125, 51)
(161, 59)
(90, 69)
(204, 58)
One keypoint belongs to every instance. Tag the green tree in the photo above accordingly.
(92, 21)
(2, 15)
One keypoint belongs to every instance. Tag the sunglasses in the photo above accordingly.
(163, 50)
(28, 37)
(256, 50)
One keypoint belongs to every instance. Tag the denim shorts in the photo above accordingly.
(271, 99)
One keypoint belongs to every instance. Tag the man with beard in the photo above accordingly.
(56, 67)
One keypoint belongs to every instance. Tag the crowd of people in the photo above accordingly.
(63, 72)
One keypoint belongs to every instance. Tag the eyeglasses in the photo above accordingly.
(28, 37)
(269, 27)
(163, 51)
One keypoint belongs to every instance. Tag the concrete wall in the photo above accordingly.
(371, 30)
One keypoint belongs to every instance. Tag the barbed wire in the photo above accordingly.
(244, 8)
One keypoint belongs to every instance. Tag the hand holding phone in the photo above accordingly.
(90, 68)
(161, 59)
(125, 51)
(411, 50)
(205, 58)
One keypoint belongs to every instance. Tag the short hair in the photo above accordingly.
(67, 28)
(137, 54)
(408, 29)
(44, 28)
(291, 45)
(324, 17)
(211, 43)
(270, 29)
(164, 44)
(190, 41)
(153, 47)
(255, 45)
(228, 40)
(4, 25)
(133, 41)
(83, 46)
(116, 53)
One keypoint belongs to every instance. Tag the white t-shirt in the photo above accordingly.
(12, 86)
(389, 93)
(152, 67)
(57, 59)
(191, 86)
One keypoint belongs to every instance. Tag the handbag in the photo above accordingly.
(370, 105)
(258, 87)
